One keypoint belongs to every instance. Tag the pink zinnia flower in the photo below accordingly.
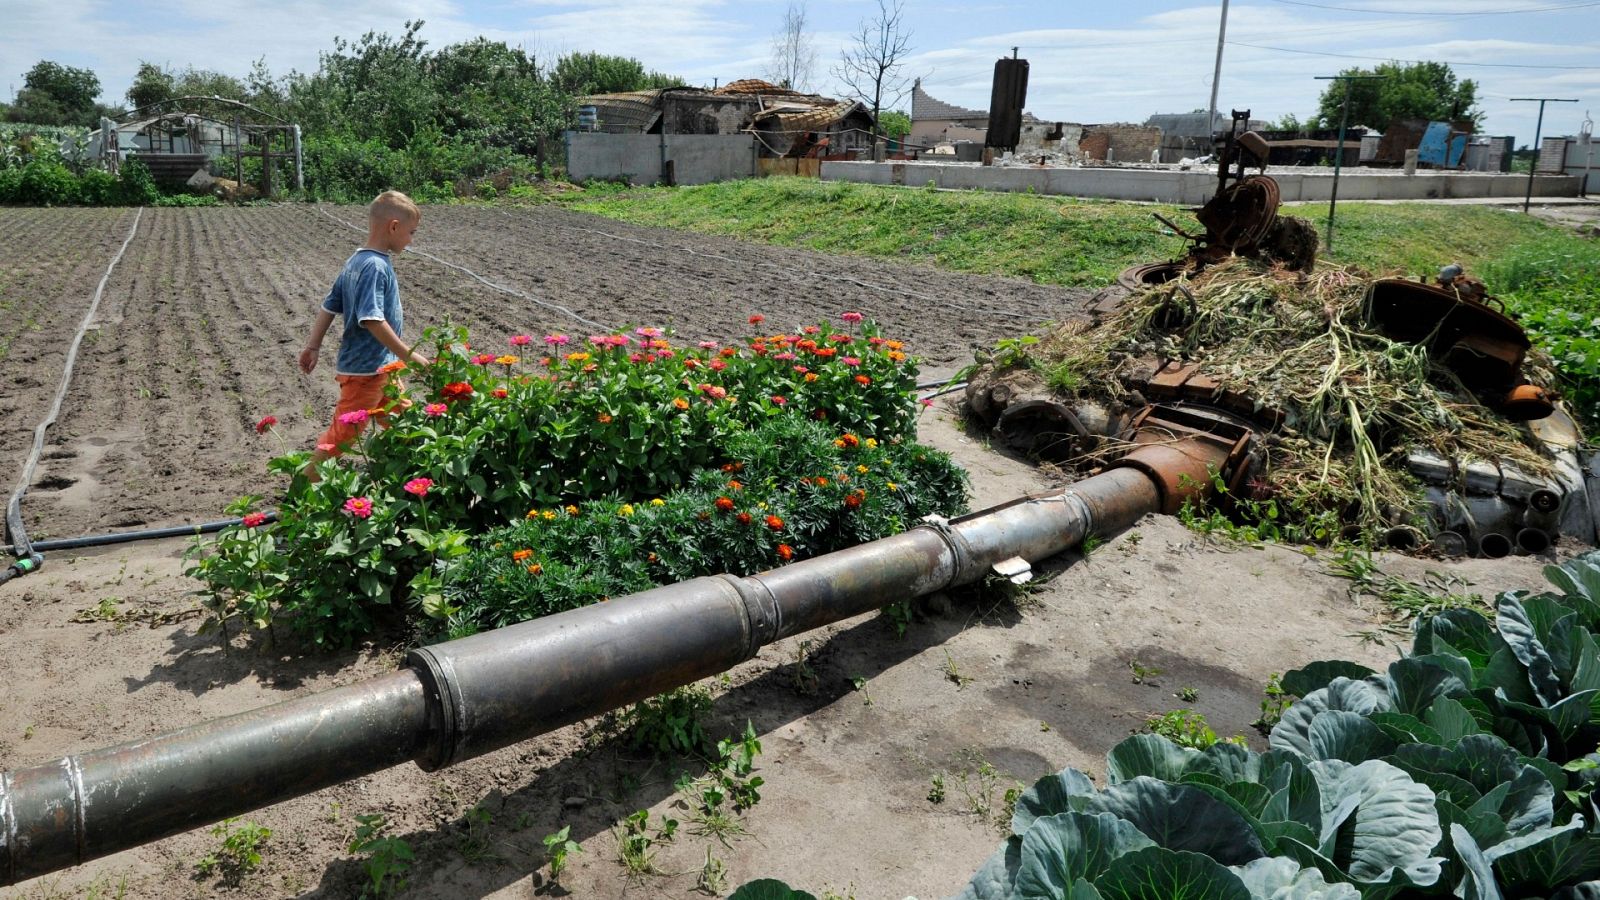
(252, 520)
(926, 401)
(557, 340)
(708, 345)
(852, 317)
(483, 359)
(636, 357)
(436, 409)
(840, 338)
(850, 360)
(718, 365)
(666, 354)
(599, 340)
(811, 329)
(266, 424)
(419, 486)
(360, 507)
(619, 340)
(778, 400)
(327, 448)
(648, 332)
(877, 341)
(521, 340)
(354, 417)
(801, 369)
(785, 355)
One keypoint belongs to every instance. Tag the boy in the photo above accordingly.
(367, 298)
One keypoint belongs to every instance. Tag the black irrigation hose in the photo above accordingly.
(148, 534)
(21, 547)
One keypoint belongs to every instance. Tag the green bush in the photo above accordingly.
(619, 421)
(1551, 286)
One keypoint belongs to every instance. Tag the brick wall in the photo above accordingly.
(1125, 143)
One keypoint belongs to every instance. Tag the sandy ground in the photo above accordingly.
(103, 648)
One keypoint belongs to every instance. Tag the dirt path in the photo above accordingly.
(197, 339)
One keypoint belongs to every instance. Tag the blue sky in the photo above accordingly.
(1089, 62)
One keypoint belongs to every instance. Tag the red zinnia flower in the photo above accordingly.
(726, 352)
(862, 379)
(266, 423)
(779, 400)
(456, 389)
(757, 319)
(251, 520)
(500, 393)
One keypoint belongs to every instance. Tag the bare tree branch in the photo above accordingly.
(794, 56)
(871, 65)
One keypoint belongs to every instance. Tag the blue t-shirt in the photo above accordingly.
(365, 291)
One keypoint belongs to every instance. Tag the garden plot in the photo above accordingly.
(856, 722)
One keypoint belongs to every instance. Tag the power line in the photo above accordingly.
(1400, 12)
(1414, 61)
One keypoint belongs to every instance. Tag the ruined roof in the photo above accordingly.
(817, 119)
(628, 111)
(925, 107)
(752, 86)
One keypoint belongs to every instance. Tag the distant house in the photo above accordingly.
(783, 121)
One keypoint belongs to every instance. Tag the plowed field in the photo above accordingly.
(197, 334)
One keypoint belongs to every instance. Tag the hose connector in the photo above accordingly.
(26, 565)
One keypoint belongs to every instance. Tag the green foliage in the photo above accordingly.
(894, 123)
(46, 180)
(151, 84)
(1421, 90)
(388, 858)
(1186, 728)
(1551, 287)
(53, 94)
(786, 448)
(729, 788)
(239, 853)
(669, 723)
(598, 73)
(636, 843)
(1273, 702)
(556, 849)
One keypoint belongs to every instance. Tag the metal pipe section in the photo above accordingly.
(467, 697)
(1494, 545)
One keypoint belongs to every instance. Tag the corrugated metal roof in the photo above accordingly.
(817, 119)
(629, 111)
(925, 107)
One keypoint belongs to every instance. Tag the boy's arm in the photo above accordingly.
(308, 356)
(386, 336)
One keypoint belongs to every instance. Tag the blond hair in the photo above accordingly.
(393, 205)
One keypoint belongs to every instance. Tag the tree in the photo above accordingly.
(794, 55)
(194, 82)
(870, 64)
(151, 85)
(1289, 122)
(1424, 90)
(894, 123)
(53, 94)
(599, 73)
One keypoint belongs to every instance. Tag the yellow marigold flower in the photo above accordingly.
(625, 510)
(572, 510)
(839, 442)
(862, 469)
(532, 513)
(658, 502)
(892, 486)
(535, 569)
(872, 443)
(548, 514)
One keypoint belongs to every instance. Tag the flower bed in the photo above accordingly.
(608, 451)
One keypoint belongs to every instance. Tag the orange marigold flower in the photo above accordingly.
(851, 440)
(733, 467)
(810, 377)
(724, 503)
(744, 518)
(535, 569)
(572, 510)
(774, 522)
(650, 558)
(603, 418)
(785, 552)
(735, 485)
(680, 403)
(897, 356)
(854, 500)
(522, 554)
(726, 352)
(819, 481)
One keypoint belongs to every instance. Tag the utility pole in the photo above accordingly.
(1338, 153)
(1534, 166)
(1216, 77)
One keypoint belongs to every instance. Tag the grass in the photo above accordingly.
(1054, 240)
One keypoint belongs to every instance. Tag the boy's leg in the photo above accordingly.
(356, 392)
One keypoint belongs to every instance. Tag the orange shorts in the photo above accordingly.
(359, 392)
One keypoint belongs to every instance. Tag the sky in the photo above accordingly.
(1088, 62)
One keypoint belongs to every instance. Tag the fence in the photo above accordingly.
(659, 158)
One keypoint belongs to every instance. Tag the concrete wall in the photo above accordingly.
(696, 158)
(1193, 187)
